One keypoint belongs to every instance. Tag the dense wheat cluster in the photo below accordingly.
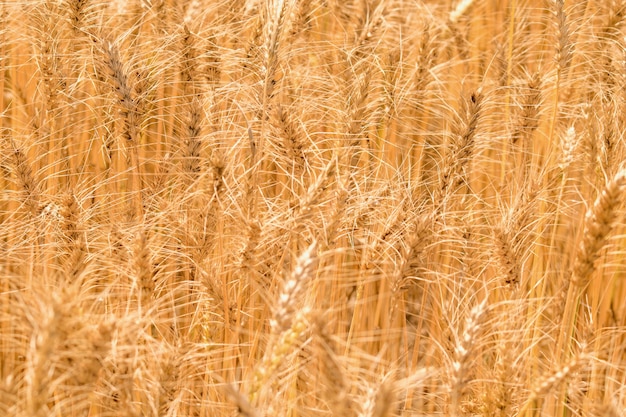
(365, 208)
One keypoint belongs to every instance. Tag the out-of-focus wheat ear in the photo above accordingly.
(332, 227)
(609, 143)
(466, 128)
(335, 387)
(121, 371)
(358, 79)
(552, 380)
(517, 225)
(417, 238)
(563, 58)
(48, 56)
(460, 9)
(569, 155)
(300, 18)
(217, 173)
(91, 349)
(112, 70)
(189, 63)
(392, 96)
(506, 256)
(77, 14)
(143, 272)
(278, 350)
(456, 162)
(463, 353)
(192, 11)
(502, 390)
(580, 387)
(49, 329)
(564, 48)
(414, 382)
(170, 379)
(294, 289)
(26, 181)
(528, 114)
(37, 379)
(358, 83)
(302, 210)
(609, 408)
(276, 14)
(292, 139)
(379, 400)
(422, 74)
(244, 408)
(192, 144)
(570, 149)
(367, 27)
(599, 222)
(289, 321)
(117, 75)
(70, 213)
(74, 245)
(248, 256)
(253, 46)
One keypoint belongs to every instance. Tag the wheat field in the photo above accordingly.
(366, 208)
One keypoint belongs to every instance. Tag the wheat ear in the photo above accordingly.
(289, 321)
(599, 222)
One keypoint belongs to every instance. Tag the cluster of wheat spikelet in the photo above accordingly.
(312, 208)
